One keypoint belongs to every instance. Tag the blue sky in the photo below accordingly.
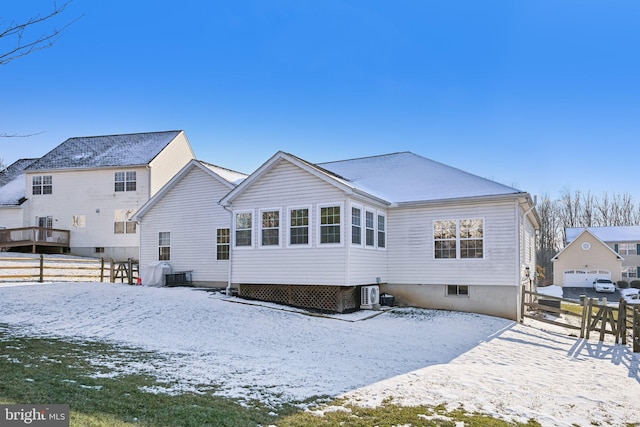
(541, 95)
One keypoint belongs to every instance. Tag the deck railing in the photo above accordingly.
(33, 236)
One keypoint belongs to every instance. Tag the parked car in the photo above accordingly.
(604, 285)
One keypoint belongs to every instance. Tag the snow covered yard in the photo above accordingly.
(206, 342)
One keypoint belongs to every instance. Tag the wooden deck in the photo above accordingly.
(33, 237)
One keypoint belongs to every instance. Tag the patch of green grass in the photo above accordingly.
(389, 414)
(53, 371)
(88, 377)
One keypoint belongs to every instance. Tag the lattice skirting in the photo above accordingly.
(329, 298)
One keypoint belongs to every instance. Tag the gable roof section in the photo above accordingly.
(407, 177)
(226, 177)
(136, 149)
(627, 233)
(315, 170)
(12, 182)
(585, 230)
(391, 179)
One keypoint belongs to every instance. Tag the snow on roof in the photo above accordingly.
(14, 169)
(12, 182)
(229, 175)
(408, 177)
(626, 233)
(104, 151)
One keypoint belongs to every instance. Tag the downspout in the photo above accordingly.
(230, 270)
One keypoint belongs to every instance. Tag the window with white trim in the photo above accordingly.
(462, 239)
(125, 181)
(164, 246)
(629, 272)
(223, 243)
(299, 226)
(270, 227)
(42, 184)
(356, 225)
(382, 234)
(243, 228)
(369, 227)
(330, 224)
(627, 248)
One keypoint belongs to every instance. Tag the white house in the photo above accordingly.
(598, 252)
(12, 194)
(184, 226)
(91, 186)
(429, 234)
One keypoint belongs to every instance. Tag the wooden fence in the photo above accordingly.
(588, 315)
(68, 269)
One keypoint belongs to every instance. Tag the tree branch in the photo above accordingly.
(16, 135)
(44, 41)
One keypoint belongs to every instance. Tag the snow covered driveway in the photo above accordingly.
(416, 356)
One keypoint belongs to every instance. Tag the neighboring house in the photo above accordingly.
(184, 226)
(429, 234)
(93, 185)
(598, 252)
(12, 194)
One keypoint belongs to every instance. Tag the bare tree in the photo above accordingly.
(550, 235)
(24, 38)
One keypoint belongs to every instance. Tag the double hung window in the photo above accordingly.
(244, 228)
(458, 239)
(299, 226)
(329, 224)
(271, 228)
(42, 184)
(125, 181)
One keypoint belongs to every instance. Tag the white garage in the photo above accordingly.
(584, 278)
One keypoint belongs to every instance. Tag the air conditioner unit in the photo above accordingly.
(369, 296)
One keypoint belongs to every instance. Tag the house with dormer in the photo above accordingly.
(92, 186)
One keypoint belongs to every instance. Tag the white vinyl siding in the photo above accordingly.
(194, 222)
(410, 242)
(168, 163)
(98, 209)
(289, 188)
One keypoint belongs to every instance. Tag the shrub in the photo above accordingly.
(623, 284)
(635, 284)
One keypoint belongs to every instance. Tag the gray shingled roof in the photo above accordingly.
(407, 177)
(105, 151)
(14, 170)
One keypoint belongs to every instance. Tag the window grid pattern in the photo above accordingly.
(330, 224)
(42, 184)
(369, 229)
(223, 243)
(459, 239)
(299, 227)
(381, 231)
(125, 181)
(244, 226)
(356, 226)
(270, 228)
(164, 246)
